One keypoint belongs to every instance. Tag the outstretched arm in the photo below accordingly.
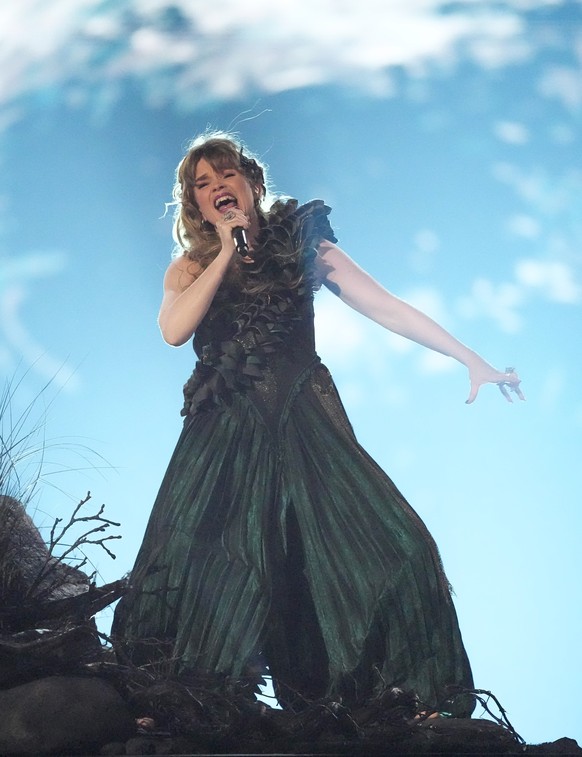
(363, 293)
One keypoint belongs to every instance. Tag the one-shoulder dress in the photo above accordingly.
(275, 537)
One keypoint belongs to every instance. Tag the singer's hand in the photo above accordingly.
(480, 372)
(229, 221)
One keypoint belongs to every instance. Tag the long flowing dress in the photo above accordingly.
(274, 533)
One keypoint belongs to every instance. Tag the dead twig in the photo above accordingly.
(58, 533)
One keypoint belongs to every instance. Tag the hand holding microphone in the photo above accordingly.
(240, 241)
(239, 235)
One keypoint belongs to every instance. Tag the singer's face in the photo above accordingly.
(216, 190)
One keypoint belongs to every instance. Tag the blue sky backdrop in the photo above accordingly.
(446, 137)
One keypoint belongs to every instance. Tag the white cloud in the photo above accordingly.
(493, 52)
(24, 344)
(193, 49)
(32, 265)
(525, 226)
(554, 279)
(18, 343)
(563, 83)
(499, 302)
(502, 302)
(546, 194)
(553, 202)
(511, 132)
(340, 330)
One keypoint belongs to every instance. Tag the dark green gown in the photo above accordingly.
(274, 535)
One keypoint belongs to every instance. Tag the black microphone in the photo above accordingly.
(240, 241)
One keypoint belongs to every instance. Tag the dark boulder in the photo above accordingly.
(62, 714)
(27, 568)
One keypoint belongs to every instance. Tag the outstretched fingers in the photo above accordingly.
(508, 383)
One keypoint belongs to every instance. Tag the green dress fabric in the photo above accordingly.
(275, 537)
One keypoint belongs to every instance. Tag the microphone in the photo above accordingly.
(240, 241)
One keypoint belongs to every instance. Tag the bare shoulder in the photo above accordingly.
(181, 272)
(326, 247)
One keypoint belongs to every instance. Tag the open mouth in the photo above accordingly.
(225, 203)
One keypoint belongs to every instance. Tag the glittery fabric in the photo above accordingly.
(275, 537)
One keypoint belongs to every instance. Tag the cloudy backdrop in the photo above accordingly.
(446, 136)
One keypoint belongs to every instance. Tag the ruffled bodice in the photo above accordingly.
(261, 319)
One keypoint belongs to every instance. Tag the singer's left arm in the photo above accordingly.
(360, 291)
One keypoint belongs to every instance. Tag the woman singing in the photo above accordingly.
(275, 539)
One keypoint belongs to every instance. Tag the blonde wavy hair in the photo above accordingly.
(194, 236)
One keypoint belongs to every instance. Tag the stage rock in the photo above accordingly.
(27, 568)
(62, 715)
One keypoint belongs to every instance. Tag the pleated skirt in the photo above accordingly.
(283, 543)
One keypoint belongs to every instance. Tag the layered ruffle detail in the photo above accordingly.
(287, 245)
(230, 366)
(255, 328)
